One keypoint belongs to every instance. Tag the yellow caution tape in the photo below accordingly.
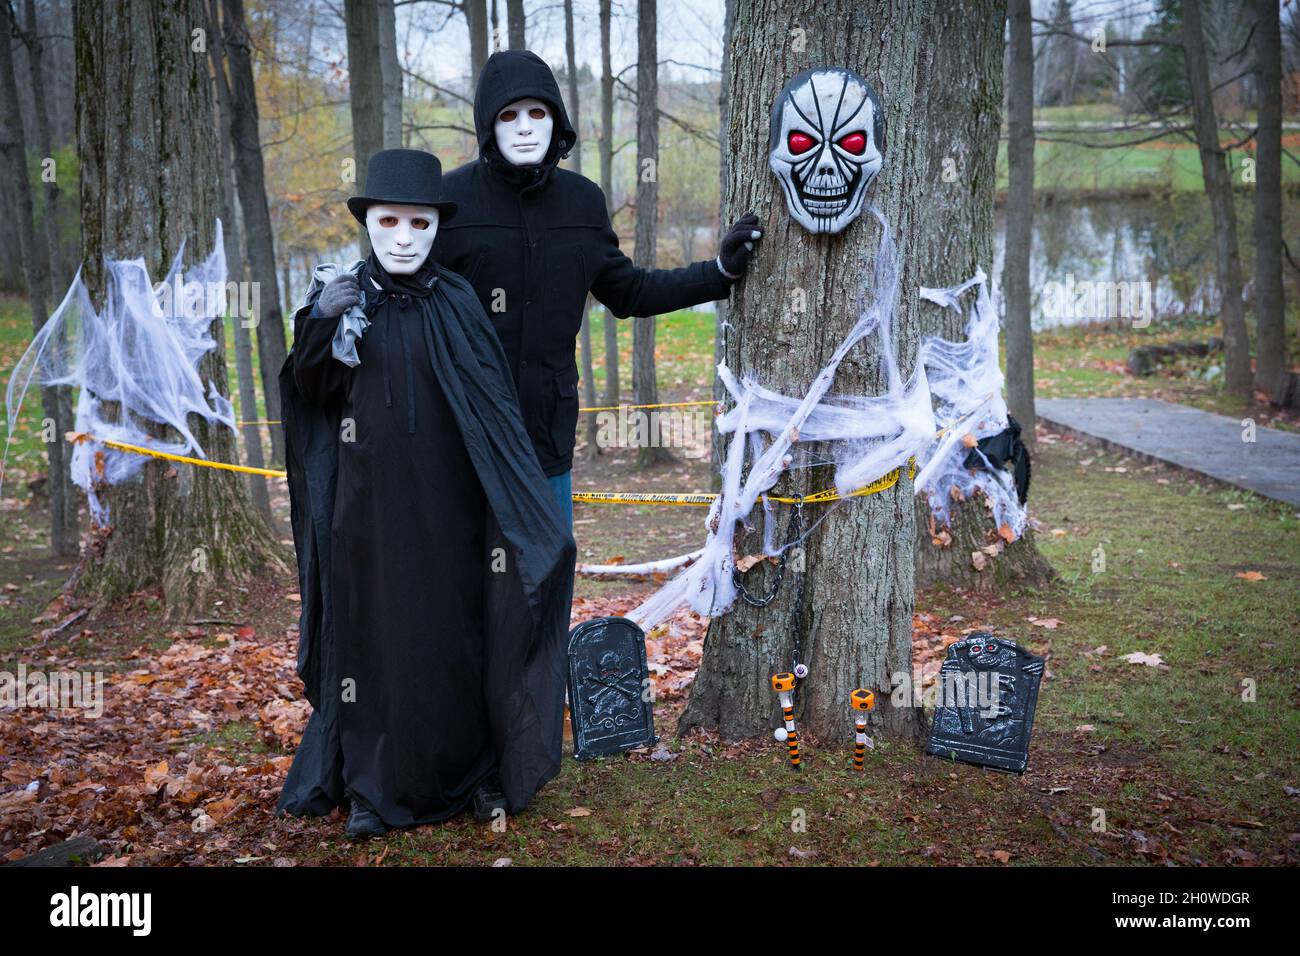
(704, 500)
(615, 408)
(602, 408)
(77, 438)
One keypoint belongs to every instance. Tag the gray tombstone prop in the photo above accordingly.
(607, 674)
(988, 689)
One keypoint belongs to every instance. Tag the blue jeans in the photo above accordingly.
(562, 486)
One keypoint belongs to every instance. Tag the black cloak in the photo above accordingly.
(432, 561)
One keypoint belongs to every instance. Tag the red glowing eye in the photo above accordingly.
(801, 143)
(855, 143)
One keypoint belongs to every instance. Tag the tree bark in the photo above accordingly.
(1270, 313)
(1218, 189)
(477, 22)
(1020, 220)
(856, 595)
(250, 178)
(644, 385)
(515, 24)
(612, 385)
(365, 89)
(390, 75)
(36, 265)
(148, 182)
(233, 235)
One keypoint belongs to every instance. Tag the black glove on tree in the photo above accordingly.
(737, 245)
(340, 294)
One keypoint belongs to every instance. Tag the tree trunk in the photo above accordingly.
(612, 386)
(64, 498)
(854, 619)
(584, 334)
(60, 274)
(515, 24)
(723, 316)
(148, 182)
(1020, 220)
(644, 385)
(477, 22)
(35, 260)
(250, 179)
(390, 75)
(1218, 188)
(956, 238)
(365, 89)
(235, 270)
(1270, 312)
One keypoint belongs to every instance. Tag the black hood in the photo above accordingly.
(515, 75)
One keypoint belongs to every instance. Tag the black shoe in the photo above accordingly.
(489, 798)
(364, 823)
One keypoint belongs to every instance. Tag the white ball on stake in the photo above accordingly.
(780, 734)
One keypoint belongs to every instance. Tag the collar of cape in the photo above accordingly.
(419, 284)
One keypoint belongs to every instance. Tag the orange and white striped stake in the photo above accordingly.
(862, 701)
(783, 684)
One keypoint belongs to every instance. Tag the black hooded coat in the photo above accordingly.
(433, 562)
(533, 241)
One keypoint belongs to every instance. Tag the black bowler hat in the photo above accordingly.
(406, 177)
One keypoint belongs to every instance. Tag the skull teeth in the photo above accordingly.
(836, 192)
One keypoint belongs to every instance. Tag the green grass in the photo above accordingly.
(683, 351)
(1171, 748)
(1159, 166)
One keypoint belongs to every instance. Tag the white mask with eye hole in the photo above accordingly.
(827, 141)
(401, 236)
(523, 132)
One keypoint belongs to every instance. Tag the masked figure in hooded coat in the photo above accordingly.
(433, 562)
(534, 239)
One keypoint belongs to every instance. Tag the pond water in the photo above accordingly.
(1137, 259)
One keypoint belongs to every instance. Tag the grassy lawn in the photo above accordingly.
(1063, 164)
(1191, 761)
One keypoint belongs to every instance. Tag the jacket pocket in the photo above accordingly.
(476, 266)
(564, 417)
(567, 283)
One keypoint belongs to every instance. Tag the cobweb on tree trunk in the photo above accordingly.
(136, 363)
(954, 391)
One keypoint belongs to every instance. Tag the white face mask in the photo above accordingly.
(402, 236)
(523, 132)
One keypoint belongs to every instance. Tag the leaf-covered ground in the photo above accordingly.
(1147, 749)
(1131, 763)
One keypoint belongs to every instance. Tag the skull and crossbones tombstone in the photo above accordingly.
(608, 677)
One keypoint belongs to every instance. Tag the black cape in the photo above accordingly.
(432, 561)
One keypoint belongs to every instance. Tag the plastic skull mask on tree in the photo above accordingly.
(827, 145)
(523, 131)
(401, 236)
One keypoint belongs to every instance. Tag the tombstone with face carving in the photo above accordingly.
(827, 145)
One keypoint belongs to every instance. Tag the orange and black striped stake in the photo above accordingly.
(783, 684)
(862, 701)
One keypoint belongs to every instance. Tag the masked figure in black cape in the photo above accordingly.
(433, 562)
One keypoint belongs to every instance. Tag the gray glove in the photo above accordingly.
(340, 294)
